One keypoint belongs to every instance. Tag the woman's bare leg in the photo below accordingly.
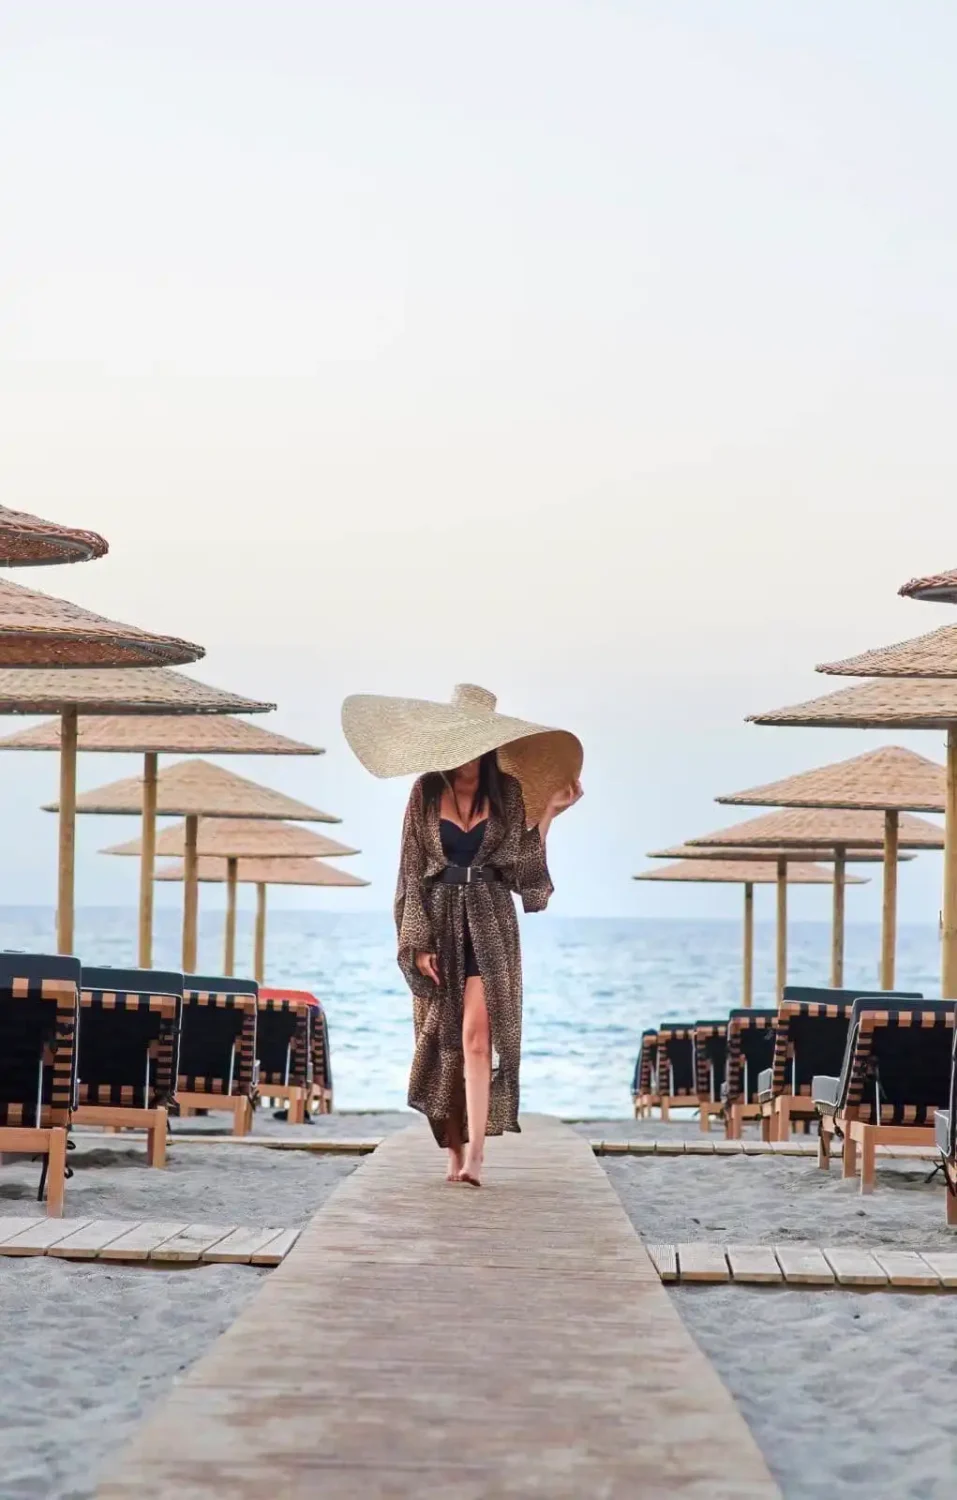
(454, 1136)
(477, 1047)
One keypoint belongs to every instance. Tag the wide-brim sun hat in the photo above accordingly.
(412, 736)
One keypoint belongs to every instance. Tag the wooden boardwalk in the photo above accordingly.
(430, 1341)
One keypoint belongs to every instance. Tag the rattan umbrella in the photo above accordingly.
(38, 631)
(263, 873)
(899, 704)
(891, 780)
(232, 839)
(192, 789)
(133, 691)
(938, 588)
(835, 831)
(748, 873)
(28, 542)
(152, 736)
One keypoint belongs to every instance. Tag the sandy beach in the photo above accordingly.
(845, 1392)
(96, 1345)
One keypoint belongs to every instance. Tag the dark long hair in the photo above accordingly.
(489, 791)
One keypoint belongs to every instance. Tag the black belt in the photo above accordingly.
(468, 875)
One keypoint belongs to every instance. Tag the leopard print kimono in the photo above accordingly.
(429, 919)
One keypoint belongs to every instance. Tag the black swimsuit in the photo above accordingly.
(460, 848)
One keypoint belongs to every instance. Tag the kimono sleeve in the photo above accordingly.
(530, 877)
(413, 923)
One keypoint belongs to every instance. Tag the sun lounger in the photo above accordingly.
(895, 1076)
(644, 1084)
(810, 1035)
(39, 1004)
(217, 1059)
(128, 1051)
(677, 1086)
(750, 1052)
(710, 1060)
(284, 1050)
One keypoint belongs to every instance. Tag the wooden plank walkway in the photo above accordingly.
(875, 1269)
(750, 1146)
(133, 1240)
(430, 1341)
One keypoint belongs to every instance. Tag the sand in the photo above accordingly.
(849, 1394)
(90, 1347)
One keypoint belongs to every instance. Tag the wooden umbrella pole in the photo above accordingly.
(782, 964)
(67, 857)
(889, 915)
(948, 954)
(190, 895)
(837, 925)
(147, 860)
(232, 880)
(259, 962)
(747, 989)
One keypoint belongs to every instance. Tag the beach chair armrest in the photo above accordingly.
(826, 1091)
(942, 1131)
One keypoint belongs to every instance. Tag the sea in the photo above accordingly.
(591, 986)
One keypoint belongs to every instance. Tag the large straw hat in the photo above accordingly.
(410, 736)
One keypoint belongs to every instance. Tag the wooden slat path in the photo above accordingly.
(119, 1240)
(881, 1268)
(749, 1146)
(426, 1340)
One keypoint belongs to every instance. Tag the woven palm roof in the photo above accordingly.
(37, 630)
(888, 703)
(891, 779)
(194, 788)
(268, 872)
(243, 838)
(809, 828)
(166, 735)
(134, 690)
(939, 588)
(760, 853)
(28, 542)
(931, 655)
(744, 872)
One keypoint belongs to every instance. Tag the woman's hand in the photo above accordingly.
(428, 966)
(560, 802)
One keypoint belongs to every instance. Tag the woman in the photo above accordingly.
(472, 837)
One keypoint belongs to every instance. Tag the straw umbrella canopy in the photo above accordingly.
(233, 839)
(39, 631)
(263, 873)
(152, 736)
(899, 704)
(890, 780)
(130, 691)
(194, 789)
(938, 588)
(28, 542)
(748, 873)
(811, 828)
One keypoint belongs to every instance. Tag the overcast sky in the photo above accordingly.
(601, 353)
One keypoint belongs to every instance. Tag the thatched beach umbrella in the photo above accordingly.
(938, 588)
(263, 873)
(194, 789)
(805, 829)
(891, 780)
(131, 691)
(748, 873)
(152, 737)
(899, 704)
(233, 839)
(38, 631)
(28, 542)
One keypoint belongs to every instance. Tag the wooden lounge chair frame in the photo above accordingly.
(643, 1093)
(235, 1094)
(671, 1034)
(738, 1103)
(707, 1083)
(22, 979)
(851, 1115)
(114, 1107)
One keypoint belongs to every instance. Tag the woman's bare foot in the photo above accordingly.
(471, 1171)
(456, 1162)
